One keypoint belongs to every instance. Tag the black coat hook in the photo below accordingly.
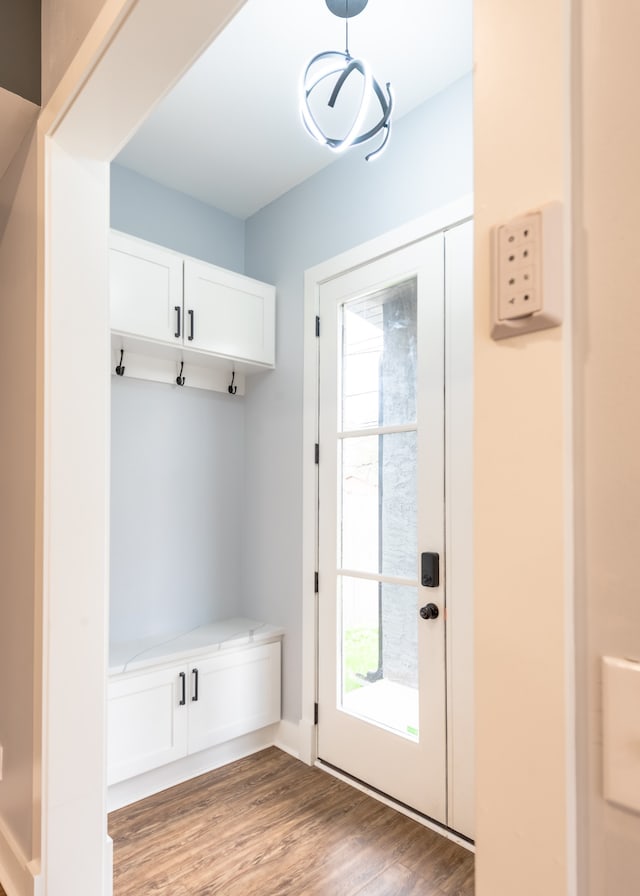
(231, 389)
(120, 368)
(180, 379)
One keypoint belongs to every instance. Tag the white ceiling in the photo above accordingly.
(230, 132)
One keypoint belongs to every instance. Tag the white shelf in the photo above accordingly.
(132, 656)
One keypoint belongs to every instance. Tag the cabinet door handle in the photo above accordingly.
(177, 333)
(195, 685)
(183, 679)
(191, 316)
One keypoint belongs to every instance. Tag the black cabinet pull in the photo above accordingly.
(191, 316)
(195, 685)
(177, 333)
(183, 679)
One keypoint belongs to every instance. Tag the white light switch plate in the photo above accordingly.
(527, 272)
(621, 731)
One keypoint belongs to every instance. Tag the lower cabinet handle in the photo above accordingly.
(177, 333)
(195, 685)
(191, 316)
(183, 678)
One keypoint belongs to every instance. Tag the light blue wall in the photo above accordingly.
(176, 500)
(148, 210)
(176, 453)
(429, 163)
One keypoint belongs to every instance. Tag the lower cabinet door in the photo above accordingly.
(237, 692)
(147, 725)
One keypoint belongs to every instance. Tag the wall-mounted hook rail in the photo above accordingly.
(180, 379)
(120, 368)
(231, 389)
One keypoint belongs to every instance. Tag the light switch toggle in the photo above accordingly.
(621, 731)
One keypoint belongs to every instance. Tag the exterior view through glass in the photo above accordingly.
(377, 532)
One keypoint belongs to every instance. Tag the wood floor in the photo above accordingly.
(271, 825)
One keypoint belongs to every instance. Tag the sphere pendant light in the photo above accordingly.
(341, 67)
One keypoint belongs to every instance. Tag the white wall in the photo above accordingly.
(18, 539)
(76, 511)
(523, 639)
(607, 381)
(428, 164)
(65, 24)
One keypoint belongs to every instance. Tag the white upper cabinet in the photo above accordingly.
(145, 286)
(229, 314)
(166, 305)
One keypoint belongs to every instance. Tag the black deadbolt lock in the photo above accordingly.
(430, 570)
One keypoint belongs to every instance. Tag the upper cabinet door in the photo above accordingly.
(228, 314)
(145, 284)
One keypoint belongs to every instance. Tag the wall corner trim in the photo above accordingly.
(19, 876)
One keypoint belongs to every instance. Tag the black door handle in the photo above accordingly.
(191, 316)
(429, 611)
(177, 333)
(183, 679)
(195, 686)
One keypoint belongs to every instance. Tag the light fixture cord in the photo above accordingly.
(346, 30)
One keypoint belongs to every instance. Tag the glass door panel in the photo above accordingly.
(379, 357)
(380, 654)
(379, 504)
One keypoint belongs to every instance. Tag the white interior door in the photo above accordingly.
(381, 686)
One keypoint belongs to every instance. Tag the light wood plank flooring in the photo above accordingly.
(271, 825)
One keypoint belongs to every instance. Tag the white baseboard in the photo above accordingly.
(288, 738)
(142, 786)
(108, 867)
(308, 732)
(18, 876)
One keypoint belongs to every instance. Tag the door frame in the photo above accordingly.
(459, 642)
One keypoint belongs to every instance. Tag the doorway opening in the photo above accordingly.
(84, 186)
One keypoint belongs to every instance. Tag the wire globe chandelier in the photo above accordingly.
(342, 68)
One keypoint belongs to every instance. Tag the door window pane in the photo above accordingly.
(379, 352)
(379, 509)
(380, 653)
